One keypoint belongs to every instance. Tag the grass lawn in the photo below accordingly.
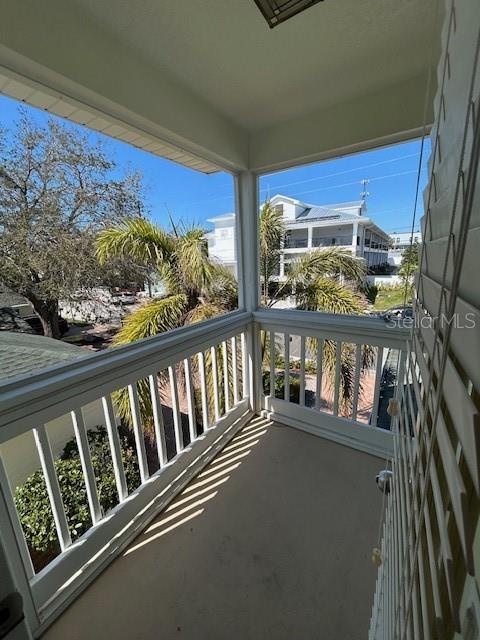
(388, 298)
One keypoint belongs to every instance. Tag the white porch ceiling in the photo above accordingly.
(208, 79)
(224, 51)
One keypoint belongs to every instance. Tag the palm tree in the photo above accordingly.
(322, 280)
(196, 287)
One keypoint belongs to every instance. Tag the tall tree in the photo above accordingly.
(272, 234)
(409, 266)
(321, 280)
(57, 190)
(196, 288)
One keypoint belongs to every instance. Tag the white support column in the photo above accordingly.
(354, 238)
(309, 236)
(246, 185)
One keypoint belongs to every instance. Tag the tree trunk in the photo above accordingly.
(47, 311)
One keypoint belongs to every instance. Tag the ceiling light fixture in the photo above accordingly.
(277, 11)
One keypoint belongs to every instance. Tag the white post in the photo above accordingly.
(282, 265)
(246, 185)
(15, 565)
(310, 236)
(354, 238)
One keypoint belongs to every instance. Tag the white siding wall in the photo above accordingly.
(429, 577)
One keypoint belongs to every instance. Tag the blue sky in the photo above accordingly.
(193, 197)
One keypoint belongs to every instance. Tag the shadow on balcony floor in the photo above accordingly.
(271, 541)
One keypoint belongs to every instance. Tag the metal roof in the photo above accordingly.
(326, 213)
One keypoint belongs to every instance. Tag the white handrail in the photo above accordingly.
(348, 328)
(59, 389)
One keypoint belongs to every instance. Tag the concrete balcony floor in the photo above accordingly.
(272, 540)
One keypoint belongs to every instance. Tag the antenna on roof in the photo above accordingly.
(364, 194)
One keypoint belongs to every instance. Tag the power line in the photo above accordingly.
(330, 175)
(340, 173)
(349, 184)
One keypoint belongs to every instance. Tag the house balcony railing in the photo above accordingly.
(214, 369)
(341, 241)
(296, 243)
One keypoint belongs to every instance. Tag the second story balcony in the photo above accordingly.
(332, 241)
(295, 243)
(227, 489)
(230, 519)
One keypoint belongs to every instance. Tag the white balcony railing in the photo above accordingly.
(215, 351)
(214, 371)
(345, 370)
(339, 241)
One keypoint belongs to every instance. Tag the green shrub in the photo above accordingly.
(280, 386)
(33, 505)
(371, 292)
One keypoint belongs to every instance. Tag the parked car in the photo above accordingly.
(402, 312)
(125, 297)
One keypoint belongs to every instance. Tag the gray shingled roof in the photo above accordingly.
(22, 353)
(325, 213)
(9, 298)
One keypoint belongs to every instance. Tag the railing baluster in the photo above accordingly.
(138, 432)
(286, 380)
(376, 395)
(115, 448)
(203, 390)
(158, 420)
(244, 366)
(87, 467)
(302, 370)
(233, 344)
(7, 497)
(338, 366)
(319, 363)
(177, 421)
(226, 384)
(272, 364)
(356, 383)
(216, 401)
(53, 488)
(192, 425)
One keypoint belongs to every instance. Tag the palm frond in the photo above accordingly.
(193, 264)
(155, 317)
(326, 294)
(204, 311)
(136, 238)
(272, 233)
(326, 262)
(272, 229)
(223, 289)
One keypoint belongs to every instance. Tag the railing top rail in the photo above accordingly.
(348, 328)
(23, 397)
